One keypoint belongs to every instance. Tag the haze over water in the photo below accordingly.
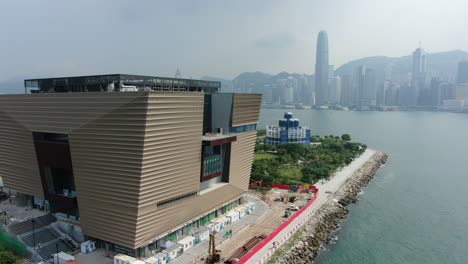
(416, 209)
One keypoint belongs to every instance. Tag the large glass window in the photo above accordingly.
(243, 128)
(212, 165)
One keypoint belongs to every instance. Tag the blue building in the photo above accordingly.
(288, 131)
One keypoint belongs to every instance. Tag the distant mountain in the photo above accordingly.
(440, 64)
(215, 79)
(251, 81)
(260, 81)
(12, 87)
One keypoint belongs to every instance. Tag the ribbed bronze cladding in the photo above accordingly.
(18, 163)
(107, 155)
(241, 159)
(129, 152)
(246, 109)
(164, 219)
(172, 160)
(106, 133)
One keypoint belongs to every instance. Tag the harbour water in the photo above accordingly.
(416, 209)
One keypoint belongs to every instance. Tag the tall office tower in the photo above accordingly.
(462, 76)
(447, 91)
(369, 98)
(418, 77)
(331, 72)
(461, 92)
(293, 84)
(267, 96)
(435, 91)
(287, 95)
(364, 83)
(334, 95)
(304, 90)
(391, 94)
(286, 88)
(311, 96)
(388, 72)
(382, 91)
(321, 69)
(358, 85)
(347, 91)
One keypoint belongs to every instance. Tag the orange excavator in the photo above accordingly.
(214, 255)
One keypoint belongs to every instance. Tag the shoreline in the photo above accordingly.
(309, 241)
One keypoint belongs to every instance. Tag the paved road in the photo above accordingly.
(327, 189)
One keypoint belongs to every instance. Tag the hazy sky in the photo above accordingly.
(216, 38)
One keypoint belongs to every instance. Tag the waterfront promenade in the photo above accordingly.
(326, 191)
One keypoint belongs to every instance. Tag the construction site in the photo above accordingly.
(272, 208)
(281, 205)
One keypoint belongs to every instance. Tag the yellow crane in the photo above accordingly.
(214, 255)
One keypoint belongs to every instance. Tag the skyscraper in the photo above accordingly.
(418, 77)
(321, 69)
(462, 76)
(286, 88)
(358, 85)
(461, 92)
(381, 92)
(419, 67)
(369, 98)
(347, 91)
(435, 91)
(364, 83)
(334, 96)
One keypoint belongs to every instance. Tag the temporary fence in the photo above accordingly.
(280, 236)
(282, 186)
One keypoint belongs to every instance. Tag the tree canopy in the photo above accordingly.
(305, 164)
(346, 137)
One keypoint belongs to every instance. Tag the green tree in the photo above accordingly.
(317, 162)
(261, 132)
(346, 137)
(282, 151)
(7, 258)
(260, 169)
(306, 175)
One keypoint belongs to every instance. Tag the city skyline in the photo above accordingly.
(367, 85)
(122, 37)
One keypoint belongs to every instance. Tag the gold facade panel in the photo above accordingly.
(246, 109)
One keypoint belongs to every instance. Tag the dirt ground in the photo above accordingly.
(268, 222)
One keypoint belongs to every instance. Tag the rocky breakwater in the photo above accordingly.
(312, 237)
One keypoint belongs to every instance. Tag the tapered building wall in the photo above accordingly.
(17, 150)
(107, 155)
(106, 135)
(242, 154)
(130, 152)
(171, 163)
(55, 113)
(246, 109)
